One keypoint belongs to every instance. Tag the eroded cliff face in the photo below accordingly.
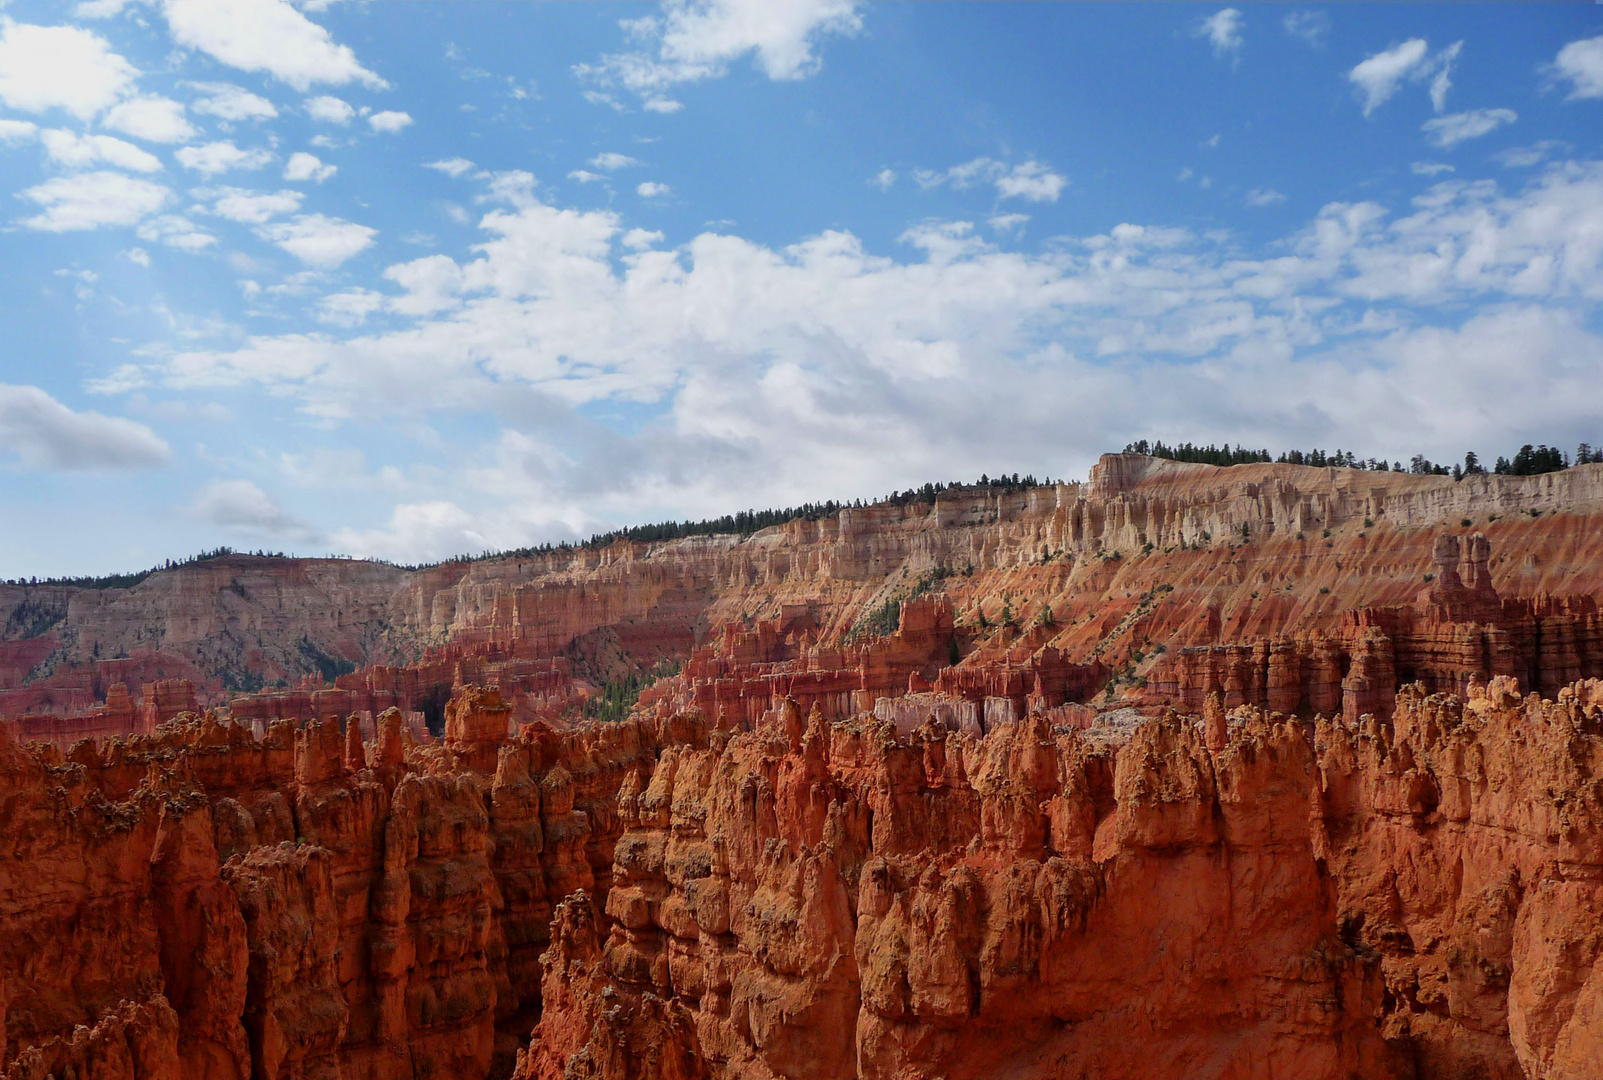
(1236, 894)
(207, 905)
(829, 848)
(1241, 896)
(1204, 556)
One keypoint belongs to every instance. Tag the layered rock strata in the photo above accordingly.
(1250, 896)
(1131, 557)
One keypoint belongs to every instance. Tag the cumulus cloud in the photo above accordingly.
(650, 189)
(240, 506)
(1008, 223)
(269, 36)
(233, 103)
(39, 432)
(611, 161)
(329, 110)
(773, 374)
(1223, 31)
(350, 307)
(1029, 180)
(90, 200)
(1450, 130)
(1380, 76)
(452, 167)
(220, 157)
(252, 207)
(151, 118)
(319, 241)
(884, 179)
(585, 176)
(304, 166)
(389, 122)
(175, 231)
(81, 151)
(693, 40)
(418, 531)
(1429, 168)
(1580, 63)
(431, 283)
(60, 67)
(17, 131)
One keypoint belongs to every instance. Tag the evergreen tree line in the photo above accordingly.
(1528, 461)
(129, 580)
(746, 522)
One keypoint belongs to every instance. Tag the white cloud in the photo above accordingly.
(1029, 180)
(349, 308)
(389, 122)
(99, 9)
(1008, 223)
(269, 36)
(1381, 75)
(779, 374)
(1443, 80)
(884, 179)
(1032, 181)
(1581, 63)
(455, 167)
(82, 151)
(240, 506)
(1450, 130)
(175, 231)
(126, 377)
(233, 103)
(137, 256)
(304, 166)
(218, 157)
(1311, 26)
(60, 67)
(41, 433)
(1429, 168)
(251, 207)
(1264, 197)
(329, 110)
(320, 241)
(431, 283)
(662, 105)
(640, 239)
(651, 189)
(1523, 157)
(611, 161)
(697, 39)
(585, 176)
(152, 118)
(1223, 31)
(17, 131)
(418, 531)
(90, 200)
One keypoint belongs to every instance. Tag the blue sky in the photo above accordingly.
(412, 280)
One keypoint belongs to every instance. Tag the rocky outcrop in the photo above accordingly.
(1413, 897)
(1110, 567)
(204, 903)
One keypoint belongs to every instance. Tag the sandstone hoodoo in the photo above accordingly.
(1258, 771)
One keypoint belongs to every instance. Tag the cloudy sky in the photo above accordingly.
(420, 279)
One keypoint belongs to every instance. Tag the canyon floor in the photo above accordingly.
(1253, 772)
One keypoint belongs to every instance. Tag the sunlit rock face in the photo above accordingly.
(1083, 780)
